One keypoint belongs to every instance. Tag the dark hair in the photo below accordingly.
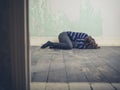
(90, 42)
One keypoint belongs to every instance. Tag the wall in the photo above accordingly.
(5, 74)
(99, 18)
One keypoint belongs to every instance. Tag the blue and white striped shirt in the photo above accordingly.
(78, 38)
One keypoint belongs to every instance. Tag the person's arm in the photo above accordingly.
(80, 45)
(80, 40)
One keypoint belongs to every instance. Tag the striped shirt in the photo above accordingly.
(78, 38)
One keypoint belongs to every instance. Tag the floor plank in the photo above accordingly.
(57, 73)
(74, 86)
(56, 86)
(74, 69)
(79, 86)
(107, 70)
(102, 86)
(76, 65)
(37, 86)
(116, 85)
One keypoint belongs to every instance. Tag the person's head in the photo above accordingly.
(91, 41)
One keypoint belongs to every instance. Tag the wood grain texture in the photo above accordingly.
(76, 65)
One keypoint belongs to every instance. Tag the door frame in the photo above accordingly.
(19, 44)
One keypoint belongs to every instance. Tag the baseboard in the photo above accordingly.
(108, 41)
(102, 41)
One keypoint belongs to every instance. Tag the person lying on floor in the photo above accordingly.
(69, 40)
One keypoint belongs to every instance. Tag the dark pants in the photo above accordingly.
(64, 42)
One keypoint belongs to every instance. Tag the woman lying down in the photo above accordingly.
(69, 40)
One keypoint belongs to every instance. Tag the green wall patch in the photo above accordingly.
(49, 18)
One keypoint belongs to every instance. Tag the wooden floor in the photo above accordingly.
(75, 86)
(96, 68)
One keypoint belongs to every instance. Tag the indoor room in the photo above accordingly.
(76, 68)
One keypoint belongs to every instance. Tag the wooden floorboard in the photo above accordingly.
(73, 69)
(74, 86)
(76, 65)
(106, 67)
(102, 86)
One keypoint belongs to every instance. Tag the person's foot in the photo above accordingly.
(46, 44)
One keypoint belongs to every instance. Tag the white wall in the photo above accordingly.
(110, 12)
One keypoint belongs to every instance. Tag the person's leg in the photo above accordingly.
(59, 46)
(64, 42)
(48, 43)
(54, 45)
(64, 39)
